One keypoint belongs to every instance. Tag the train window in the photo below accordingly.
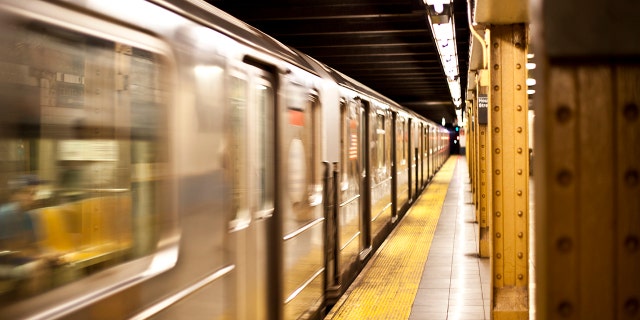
(252, 154)
(238, 92)
(402, 143)
(381, 145)
(350, 124)
(82, 156)
(265, 157)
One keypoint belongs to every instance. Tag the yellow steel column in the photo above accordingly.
(587, 173)
(589, 224)
(471, 144)
(627, 176)
(509, 172)
(484, 169)
(468, 130)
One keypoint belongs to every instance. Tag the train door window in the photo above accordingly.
(380, 148)
(83, 149)
(350, 182)
(251, 136)
(238, 95)
(402, 143)
(264, 154)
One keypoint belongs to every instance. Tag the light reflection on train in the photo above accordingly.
(179, 163)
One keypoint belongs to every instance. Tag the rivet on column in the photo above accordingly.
(565, 309)
(564, 244)
(630, 111)
(564, 177)
(631, 307)
(631, 178)
(631, 243)
(563, 114)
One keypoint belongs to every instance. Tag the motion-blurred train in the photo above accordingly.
(161, 159)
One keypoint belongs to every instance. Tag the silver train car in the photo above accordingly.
(161, 159)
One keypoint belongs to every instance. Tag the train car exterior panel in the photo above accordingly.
(182, 162)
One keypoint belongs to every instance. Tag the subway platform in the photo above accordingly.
(429, 267)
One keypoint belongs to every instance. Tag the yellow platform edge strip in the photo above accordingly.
(388, 285)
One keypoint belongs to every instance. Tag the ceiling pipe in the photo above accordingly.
(472, 27)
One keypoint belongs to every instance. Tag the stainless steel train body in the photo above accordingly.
(187, 166)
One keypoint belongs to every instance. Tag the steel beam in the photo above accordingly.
(509, 188)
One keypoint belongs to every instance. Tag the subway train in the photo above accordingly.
(161, 159)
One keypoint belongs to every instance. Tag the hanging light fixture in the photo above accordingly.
(443, 29)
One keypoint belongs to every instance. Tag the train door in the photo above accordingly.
(415, 134)
(379, 173)
(365, 150)
(350, 184)
(419, 135)
(302, 215)
(402, 162)
(394, 167)
(432, 155)
(425, 152)
(410, 159)
(253, 171)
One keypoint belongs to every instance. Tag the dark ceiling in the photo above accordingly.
(385, 44)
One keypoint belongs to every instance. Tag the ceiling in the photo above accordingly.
(384, 44)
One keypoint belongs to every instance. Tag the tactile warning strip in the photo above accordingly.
(387, 287)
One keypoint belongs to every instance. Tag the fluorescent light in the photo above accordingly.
(531, 82)
(437, 2)
(443, 31)
(531, 65)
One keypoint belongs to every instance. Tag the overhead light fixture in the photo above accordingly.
(444, 34)
(439, 10)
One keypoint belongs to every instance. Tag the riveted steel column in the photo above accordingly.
(627, 176)
(484, 179)
(590, 210)
(472, 146)
(587, 160)
(591, 199)
(509, 172)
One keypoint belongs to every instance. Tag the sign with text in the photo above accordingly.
(483, 104)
